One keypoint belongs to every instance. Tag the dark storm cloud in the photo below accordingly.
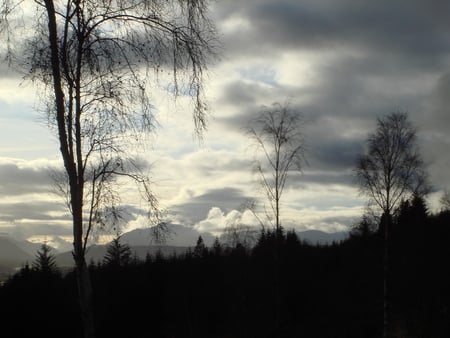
(416, 29)
(357, 87)
(433, 126)
(241, 94)
(334, 142)
(16, 180)
(439, 105)
(381, 51)
(370, 58)
(299, 180)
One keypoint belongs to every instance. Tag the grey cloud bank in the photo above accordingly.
(341, 64)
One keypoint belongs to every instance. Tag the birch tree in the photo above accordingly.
(92, 62)
(389, 171)
(280, 147)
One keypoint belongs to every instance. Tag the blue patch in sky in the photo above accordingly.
(259, 74)
(16, 112)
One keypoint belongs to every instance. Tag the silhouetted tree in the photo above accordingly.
(94, 58)
(277, 133)
(292, 240)
(391, 169)
(364, 228)
(117, 254)
(217, 247)
(237, 233)
(45, 260)
(200, 249)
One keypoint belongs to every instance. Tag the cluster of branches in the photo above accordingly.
(93, 62)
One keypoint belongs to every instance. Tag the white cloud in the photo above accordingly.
(218, 221)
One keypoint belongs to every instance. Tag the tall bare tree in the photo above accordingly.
(93, 61)
(277, 133)
(387, 173)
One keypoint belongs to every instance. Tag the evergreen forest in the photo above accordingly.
(280, 287)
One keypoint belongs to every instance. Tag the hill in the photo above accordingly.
(319, 237)
(96, 253)
(12, 256)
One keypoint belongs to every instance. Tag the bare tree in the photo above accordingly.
(277, 133)
(238, 233)
(92, 61)
(391, 169)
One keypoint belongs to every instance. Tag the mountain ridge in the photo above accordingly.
(14, 253)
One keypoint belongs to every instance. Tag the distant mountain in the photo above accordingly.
(96, 253)
(12, 251)
(319, 237)
(12, 256)
(93, 253)
(187, 236)
(30, 248)
(178, 235)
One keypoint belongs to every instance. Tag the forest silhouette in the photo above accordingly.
(280, 287)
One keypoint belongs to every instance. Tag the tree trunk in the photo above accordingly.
(387, 330)
(85, 298)
(75, 180)
(83, 278)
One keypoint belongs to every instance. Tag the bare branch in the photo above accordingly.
(277, 134)
(392, 166)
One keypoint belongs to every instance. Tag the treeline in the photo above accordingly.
(281, 287)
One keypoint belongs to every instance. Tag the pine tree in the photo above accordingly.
(117, 254)
(200, 249)
(217, 247)
(45, 260)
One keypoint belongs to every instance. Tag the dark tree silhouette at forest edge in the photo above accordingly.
(390, 171)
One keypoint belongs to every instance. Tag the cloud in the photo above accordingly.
(25, 229)
(342, 64)
(18, 177)
(197, 207)
(437, 105)
(399, 28)
(218, 221)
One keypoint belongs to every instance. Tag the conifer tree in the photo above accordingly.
(117, 253)
(217, 247)
(45, 260)
(200, 249)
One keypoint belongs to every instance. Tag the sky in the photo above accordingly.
(340, 64)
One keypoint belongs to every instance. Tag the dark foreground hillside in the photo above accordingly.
(280, 288)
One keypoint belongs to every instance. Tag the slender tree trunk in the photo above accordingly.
(83, 278)
(387, 333)
(75, 180)
(85, 297)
